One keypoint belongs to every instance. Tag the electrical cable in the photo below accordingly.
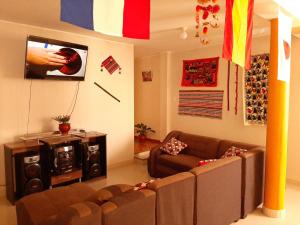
(29, 107)
(75, 101)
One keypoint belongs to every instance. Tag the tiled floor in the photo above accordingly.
(137, 171)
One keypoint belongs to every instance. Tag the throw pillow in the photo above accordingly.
(205, 162)
(173, 146)
(233, 151)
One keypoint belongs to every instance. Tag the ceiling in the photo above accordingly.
(167, 17)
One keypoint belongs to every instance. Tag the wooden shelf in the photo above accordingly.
(55, 180)
(23, 146)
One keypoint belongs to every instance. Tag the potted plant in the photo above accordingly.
(64, 125)
(142, 130)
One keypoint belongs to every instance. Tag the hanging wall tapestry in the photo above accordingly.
(147, 75)
(201, 103)
(110, 65)
(256, 90)
(200, 72)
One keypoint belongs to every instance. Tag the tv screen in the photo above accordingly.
(53, 59)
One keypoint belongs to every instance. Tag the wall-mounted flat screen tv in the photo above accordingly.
(53, 59)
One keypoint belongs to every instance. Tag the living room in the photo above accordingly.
(143, 84)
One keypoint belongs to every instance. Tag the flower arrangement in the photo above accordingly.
(64, 125)
(62, 118)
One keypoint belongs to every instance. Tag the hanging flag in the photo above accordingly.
(284, 46)
(123, 18)
(238, 32)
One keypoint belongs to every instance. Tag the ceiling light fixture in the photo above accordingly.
(183, 35)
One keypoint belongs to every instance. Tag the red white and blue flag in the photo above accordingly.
(123, 18)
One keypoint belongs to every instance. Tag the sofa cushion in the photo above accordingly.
(225, 145)
(130, 208)
(36, 208)
(181, 162)
(202, 147)
(173, 146)
(105, 194)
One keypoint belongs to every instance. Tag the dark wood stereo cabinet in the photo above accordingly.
(36, 165)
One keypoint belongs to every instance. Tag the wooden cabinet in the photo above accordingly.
(36, 165)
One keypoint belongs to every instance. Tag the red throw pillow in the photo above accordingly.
(205, 162)
(233, 151)
(173, 146)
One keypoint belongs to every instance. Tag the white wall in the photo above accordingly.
(147, 94)
(95, 110)
(293, 165)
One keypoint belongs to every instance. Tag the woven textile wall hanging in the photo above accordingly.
(200, 72)
(110, 65)
(256, 90)
(201, 103)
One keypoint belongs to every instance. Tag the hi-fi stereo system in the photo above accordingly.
(36, 165)
(28, 174)
(64, 159)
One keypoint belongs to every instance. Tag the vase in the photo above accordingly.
(142, 138)
(64, 128)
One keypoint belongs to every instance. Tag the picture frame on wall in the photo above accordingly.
(147, 76)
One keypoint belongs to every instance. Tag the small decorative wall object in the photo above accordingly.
(256, 90)
(107, 92)
(201, 103)
(147, 76)
(236, 88)
(228, 86)
(110, 65)
(200, 72)
(206, 17)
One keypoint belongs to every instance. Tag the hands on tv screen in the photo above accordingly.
(45, 57)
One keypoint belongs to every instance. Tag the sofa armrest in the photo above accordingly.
(218, 191)
(252, 179)
(83, 213)
(155, 152)
(152, 160)
(175, 199)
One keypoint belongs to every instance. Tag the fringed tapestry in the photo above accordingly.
(201, 103)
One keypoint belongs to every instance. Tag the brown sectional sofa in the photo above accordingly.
(215, 194)
(187, 198)
(201, 148)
